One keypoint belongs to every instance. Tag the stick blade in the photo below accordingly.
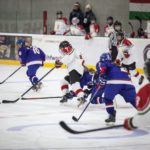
(75, 119)
(67, 128)
(9, 101)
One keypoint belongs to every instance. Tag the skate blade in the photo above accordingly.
(81, 103)
(110, 123)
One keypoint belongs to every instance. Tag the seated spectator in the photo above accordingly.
(76, 12)
(88, 15)
(94, 29)
(61, 26)
(141, 34)
(75, 28)
(108, 28)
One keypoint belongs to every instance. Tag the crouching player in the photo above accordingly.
(75, 66)
(118, 82)
(142, 118)
(33, 58)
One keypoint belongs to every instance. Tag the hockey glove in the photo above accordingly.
(128, 124)
(58, 64)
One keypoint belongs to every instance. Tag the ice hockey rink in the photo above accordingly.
(34, 124)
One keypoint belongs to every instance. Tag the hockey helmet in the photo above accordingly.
(120, 34)
(20, 42)
(65, 47)
(59, 12)
(147, 69)
(105, 57)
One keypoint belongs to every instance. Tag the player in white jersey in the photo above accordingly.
(61, 27)
(142, 118)
(75, 65)
(126, 57)
(75, 28)
(108, 28)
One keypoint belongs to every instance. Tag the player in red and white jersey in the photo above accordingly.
(142, 118)
(126, 56)
(75, 65)
(75, 28)
(94, 28)
(109, 28)
(61, 26)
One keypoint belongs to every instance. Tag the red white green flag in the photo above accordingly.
(140, 9)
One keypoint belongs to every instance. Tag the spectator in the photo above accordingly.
(108, 28)
(88, 15)
(113, 40)
(76, 12)
(61, 26)
(94, 29)
(75, 28)
(141, 33)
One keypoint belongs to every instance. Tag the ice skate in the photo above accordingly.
(81, 100)
(141, 79)
(64, 99)
(111, 119)
(37, 87)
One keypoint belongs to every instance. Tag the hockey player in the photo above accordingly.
(108, 28)
(118, 82)
(33, 58)
(125, 56)
(61, 26)
(142, 118)
(75, 28)
(75, 65)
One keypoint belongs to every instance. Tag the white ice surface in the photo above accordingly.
(34, 124)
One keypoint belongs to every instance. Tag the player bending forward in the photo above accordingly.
(118, 82)
(126, 56)
(142, 118)
(33, 58)
(75, 65)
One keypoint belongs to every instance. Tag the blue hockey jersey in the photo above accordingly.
(31, 56)
(113, 73)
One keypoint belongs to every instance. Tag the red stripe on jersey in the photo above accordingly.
(64, 87)
(139, 1)
(102, 71)
(78, 91)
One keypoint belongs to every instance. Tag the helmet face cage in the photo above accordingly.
(65, 48)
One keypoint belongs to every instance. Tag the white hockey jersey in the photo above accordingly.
(73, 61)
(125, 52)
(94, 30)
(61, 26)
(77, 30)
(108, 30)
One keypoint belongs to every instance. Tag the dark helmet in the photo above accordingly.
(120, 33)
(147, 68)
(20, 42)
(64, 44)
(110, 18)
(117, 23)
(59, 12)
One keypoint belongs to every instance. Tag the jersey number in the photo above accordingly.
(36, 50)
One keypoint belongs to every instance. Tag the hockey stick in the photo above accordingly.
(77, 119)
(68, 129)
(11, 75)
(34, 98)
(14, 101)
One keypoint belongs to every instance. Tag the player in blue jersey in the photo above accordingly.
(85, 80)
(118, 82)
(33, 58)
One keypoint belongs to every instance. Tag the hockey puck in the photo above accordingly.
(74, 118)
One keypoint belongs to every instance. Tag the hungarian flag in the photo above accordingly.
(140, 9)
